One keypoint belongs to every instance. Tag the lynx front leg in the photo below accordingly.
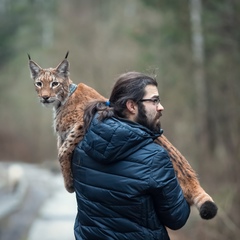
(65, 155)
(188, 181)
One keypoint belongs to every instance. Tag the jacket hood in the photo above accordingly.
(114, 139)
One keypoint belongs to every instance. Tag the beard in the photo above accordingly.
(153, 124)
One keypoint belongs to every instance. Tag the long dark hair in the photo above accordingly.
(129, 86)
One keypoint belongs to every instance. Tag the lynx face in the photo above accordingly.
(51, 84)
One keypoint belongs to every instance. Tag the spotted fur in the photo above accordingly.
(55, 88)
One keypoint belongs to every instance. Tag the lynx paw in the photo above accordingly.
(208, 210)
(70, 189)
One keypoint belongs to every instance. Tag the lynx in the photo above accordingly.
(55, 88)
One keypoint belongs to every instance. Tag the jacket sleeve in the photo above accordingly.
(170, 204)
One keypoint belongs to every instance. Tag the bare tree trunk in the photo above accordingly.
(199, 75)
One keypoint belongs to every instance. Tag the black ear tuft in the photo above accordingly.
(29, 57)
(66, 54)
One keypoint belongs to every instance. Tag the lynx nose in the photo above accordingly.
(45, 98)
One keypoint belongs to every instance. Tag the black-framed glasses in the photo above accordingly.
(155, 101)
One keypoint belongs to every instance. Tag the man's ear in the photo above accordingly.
(131, 107)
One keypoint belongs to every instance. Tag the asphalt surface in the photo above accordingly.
(46, 211)
(56, 217)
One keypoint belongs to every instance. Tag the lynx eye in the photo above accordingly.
(38, 84)
(55, 84)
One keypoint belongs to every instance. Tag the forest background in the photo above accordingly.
(192, 46)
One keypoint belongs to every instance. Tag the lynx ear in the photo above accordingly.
(34, 68)
(63, 68)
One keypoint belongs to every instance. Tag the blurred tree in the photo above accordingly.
(199, 78)
(221, 22)
(24, 24)
(10, 18)
(108, 37)
(214, 59)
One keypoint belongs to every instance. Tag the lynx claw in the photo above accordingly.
(208, 210)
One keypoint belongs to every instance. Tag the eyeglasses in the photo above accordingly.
(155, 101)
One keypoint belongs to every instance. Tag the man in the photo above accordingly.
(125, 184)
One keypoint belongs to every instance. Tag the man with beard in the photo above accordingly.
(125, 183)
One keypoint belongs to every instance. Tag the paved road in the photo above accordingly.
(46, 212)
(56, 217)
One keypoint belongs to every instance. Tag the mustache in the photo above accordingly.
(158, 115)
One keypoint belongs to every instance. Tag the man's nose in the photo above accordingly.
(160, 107)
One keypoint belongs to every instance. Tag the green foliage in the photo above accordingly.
(164, 5)
(21, 17)
(174, 28)
(9, 20)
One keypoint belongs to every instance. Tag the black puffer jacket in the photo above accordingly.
(125, 185)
